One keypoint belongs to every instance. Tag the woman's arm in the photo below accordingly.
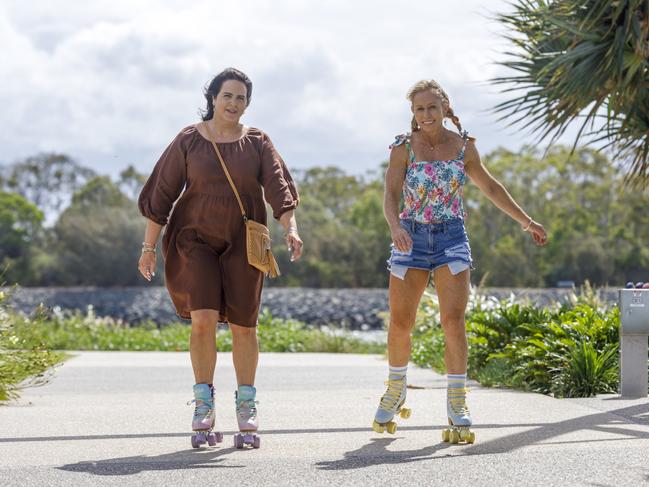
(147, 262)
(496, 192)
(394, 178)
(289, 222)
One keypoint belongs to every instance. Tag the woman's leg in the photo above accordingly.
(404, 300)
(404, 296)
(453, 294)
(245, 353)
(202, 344)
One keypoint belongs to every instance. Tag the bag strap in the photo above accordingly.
(227, 173)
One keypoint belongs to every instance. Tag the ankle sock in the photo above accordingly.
(456, 380)
(398, 373)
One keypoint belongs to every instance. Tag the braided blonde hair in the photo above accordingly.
(435, 87)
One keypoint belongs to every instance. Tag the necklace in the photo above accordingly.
(430, 144)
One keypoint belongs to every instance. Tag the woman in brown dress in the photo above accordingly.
(204, 247)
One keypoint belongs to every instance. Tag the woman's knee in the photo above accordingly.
(402, 324)
(203, 323)
(243, 331)
(454, 327)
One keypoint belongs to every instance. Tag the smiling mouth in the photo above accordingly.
(233, 112)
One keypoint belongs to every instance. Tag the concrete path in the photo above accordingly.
(120, 418)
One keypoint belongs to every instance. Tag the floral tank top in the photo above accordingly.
(432, 190)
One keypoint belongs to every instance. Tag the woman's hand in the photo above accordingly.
(401, 239)
(146, 265)
(294, 243)
(539, 235)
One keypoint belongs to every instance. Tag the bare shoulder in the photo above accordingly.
(398, 155)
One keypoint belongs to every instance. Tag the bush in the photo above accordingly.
(24, 360)
(570, 350)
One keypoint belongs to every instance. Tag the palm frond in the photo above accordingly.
(585, 60)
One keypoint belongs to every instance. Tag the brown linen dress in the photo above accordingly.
(204, 244)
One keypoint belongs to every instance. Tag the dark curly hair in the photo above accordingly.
(214, 87)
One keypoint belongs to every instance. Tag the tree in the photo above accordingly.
(586, 60)
(47, 180)
(20, 225)
(98, 238)
(131, 182)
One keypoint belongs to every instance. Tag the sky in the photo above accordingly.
(110, 83)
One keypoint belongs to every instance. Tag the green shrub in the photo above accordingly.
(569, 350)
(24, 360)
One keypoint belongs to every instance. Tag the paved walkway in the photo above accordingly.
(120, 418)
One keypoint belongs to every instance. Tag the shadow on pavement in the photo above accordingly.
(186, 459)
(613, 422)
(376, 453)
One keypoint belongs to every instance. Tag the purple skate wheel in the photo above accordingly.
(195, 443)
(238, 441)
(211, 439)
(638, 285)
(219, 436)
(256, 442)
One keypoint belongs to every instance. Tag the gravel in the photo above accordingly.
(355, 309)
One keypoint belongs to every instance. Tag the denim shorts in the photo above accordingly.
(433, 245)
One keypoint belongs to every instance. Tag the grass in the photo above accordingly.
(25, 361)
(89, 332)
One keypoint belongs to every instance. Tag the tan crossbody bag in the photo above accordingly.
(258, 239)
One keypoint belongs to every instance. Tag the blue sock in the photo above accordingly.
(456, 380)
(398, 373)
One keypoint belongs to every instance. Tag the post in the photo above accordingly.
(634, 332)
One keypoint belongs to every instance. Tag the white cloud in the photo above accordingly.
(111, 82)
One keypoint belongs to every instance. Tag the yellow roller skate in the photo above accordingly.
(391, 403)
(459, 418)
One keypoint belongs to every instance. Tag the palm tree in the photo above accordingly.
(584, 60)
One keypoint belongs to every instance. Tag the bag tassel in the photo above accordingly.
(273, 272)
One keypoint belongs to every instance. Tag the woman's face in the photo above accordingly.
(428, 109)
(230, 102)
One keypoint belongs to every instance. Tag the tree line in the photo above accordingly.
(62, 224)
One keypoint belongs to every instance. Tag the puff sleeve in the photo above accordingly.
(165, 183)
(279, 188)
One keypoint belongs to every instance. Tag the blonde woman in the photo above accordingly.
(426, 174)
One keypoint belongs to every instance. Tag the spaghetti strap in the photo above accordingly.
(404, 139)
(465, 137)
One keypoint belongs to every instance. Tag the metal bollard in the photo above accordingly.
(634, 332)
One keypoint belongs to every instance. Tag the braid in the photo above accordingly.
(454, 118)
(436, 88)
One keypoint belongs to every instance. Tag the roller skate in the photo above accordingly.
(246, 417)
(391, 403)
(459, 417)
(204, 417)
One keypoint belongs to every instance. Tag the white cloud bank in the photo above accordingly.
(111, 82)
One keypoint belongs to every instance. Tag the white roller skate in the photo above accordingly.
(391, 403)
(204, 417)
(459, 417)
(246, 407)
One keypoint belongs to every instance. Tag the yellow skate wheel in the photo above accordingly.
(464, 434)
(377, 427)
(471, 438)
(446, 435)
(391, 427)
(405, 413)
(455, 437)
